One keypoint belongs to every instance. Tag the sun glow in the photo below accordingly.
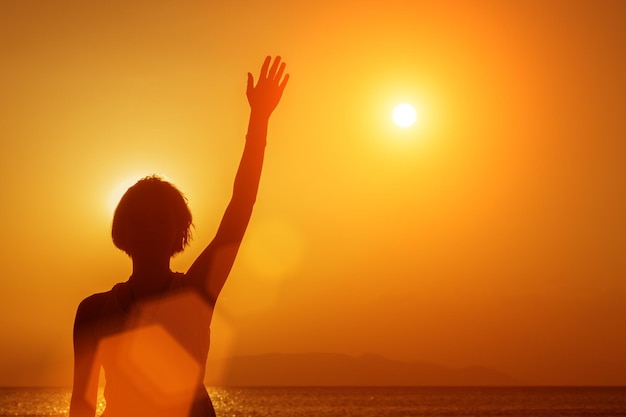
(118, 189)
(404, 115)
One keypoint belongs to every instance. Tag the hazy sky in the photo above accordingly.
(492, 232)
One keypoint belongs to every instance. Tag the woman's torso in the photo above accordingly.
(154, 352)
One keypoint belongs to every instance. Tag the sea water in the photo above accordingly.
(367, 401)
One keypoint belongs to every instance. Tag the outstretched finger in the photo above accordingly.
(279, 74)
(264, 67)
(272, 72)
(250, 83)
(284, 83)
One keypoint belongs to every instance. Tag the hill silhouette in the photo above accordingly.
(328, 369)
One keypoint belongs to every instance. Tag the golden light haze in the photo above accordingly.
(490, 233)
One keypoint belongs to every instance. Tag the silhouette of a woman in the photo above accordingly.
(150, 334)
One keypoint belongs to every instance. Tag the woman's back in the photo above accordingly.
(153, 351)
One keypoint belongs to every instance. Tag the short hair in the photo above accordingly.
(167, 195)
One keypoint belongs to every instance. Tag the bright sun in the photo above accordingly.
(404, 115)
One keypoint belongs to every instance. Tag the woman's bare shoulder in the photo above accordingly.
(92, 306)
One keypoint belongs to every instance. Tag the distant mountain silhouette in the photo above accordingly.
(327, 369)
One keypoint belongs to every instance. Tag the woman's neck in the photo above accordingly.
(149, 277)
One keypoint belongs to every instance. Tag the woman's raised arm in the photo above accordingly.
(212, 267)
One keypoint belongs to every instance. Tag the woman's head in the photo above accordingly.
(152, 218)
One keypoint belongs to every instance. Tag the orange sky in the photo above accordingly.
(492, 233)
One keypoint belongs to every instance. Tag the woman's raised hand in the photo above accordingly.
(264, 97)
